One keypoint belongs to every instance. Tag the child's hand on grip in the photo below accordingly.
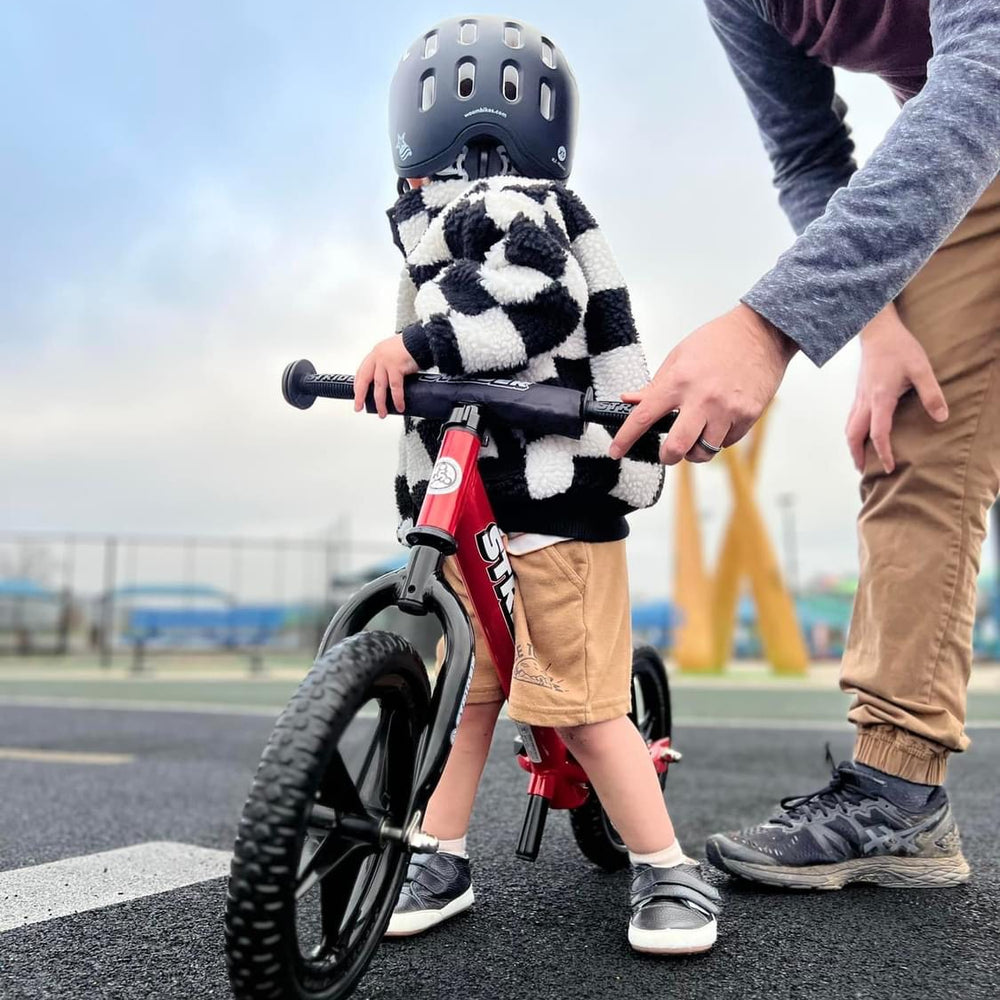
(385, 366)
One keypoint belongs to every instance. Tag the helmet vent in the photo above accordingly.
(512, 35)
(428, 91)
(511, 82)
(466, 78)
(547, 101)
(430, 44)
(467, 32)
(548, 53)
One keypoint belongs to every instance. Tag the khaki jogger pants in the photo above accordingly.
(921, 529)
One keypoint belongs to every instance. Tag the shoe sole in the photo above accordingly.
(888, 872)
(675, 941)
(418, 921)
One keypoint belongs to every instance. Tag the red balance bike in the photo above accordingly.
(335, 807)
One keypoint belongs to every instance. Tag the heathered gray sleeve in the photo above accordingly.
(934, 162)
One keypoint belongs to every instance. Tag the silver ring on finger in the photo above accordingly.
(709, 447)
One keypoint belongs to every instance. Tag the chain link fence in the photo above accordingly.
(105, 595)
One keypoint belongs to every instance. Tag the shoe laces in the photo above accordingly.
(825, 802)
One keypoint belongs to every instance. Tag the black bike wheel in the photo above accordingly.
(318, 860)
(594, 832)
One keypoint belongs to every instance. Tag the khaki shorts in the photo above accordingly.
(572, 636)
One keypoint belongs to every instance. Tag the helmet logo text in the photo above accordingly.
(485, 111)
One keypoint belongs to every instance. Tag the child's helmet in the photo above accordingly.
(481, 81)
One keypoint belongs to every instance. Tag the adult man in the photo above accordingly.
(864, 236)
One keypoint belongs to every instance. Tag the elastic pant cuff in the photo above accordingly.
(902, 754)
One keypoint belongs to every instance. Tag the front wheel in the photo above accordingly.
(319, 857)
(594, 832)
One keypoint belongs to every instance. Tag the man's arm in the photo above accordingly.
(941, 153)
(876, 233)
(795, 105)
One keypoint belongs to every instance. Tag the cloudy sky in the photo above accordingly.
(193, 194)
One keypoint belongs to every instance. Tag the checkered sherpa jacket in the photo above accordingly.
(511, 278)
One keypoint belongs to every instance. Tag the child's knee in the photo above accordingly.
(481, 715)
(574, 736)
(484, 708)
(579, 738)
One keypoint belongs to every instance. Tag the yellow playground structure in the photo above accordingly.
(707, 604)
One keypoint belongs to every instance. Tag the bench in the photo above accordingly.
(247, 627)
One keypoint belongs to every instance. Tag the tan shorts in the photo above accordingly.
(572, 636)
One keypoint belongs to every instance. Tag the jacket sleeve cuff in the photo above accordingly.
(816, 340)
(416, 341)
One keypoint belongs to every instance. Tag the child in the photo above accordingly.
(507, 275)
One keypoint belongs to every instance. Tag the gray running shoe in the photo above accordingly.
(847, 832)
(673, 911)
(436, 888)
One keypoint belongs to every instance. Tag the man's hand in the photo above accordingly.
(892, 362)
(720, 378)
(386, 364)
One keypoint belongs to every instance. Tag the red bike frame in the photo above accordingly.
(456, 504)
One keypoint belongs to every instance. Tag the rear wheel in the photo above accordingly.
(320, 857)
(595, 834)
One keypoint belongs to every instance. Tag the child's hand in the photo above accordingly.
(386, 364)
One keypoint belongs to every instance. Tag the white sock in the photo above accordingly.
(666, 858)
(456, 847)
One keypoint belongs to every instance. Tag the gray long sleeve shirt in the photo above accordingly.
(864, 233)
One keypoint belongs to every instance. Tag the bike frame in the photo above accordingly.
(457, 519)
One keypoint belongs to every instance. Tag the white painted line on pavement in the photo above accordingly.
(63, 756)
(92, 881)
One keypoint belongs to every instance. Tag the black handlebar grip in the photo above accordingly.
(291, 384)
(300, 385)
(612, 414)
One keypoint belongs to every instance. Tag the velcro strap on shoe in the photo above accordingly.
(676, 884)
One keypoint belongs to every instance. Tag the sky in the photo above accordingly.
(193, 194)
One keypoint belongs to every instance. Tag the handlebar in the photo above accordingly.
(543, 409)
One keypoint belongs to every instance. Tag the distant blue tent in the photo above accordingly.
(171, 590)
(25, 588)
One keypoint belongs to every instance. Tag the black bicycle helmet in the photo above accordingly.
(477, 83)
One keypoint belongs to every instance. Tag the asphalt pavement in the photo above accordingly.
(555, 929)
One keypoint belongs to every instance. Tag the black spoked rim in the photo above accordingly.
(352, 856)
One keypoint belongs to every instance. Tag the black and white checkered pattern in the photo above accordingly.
(510, 277)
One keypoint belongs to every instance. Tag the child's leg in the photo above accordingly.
(614, 755)
(450, 806)
(673, 909)
(574, 662)
(439, 886)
